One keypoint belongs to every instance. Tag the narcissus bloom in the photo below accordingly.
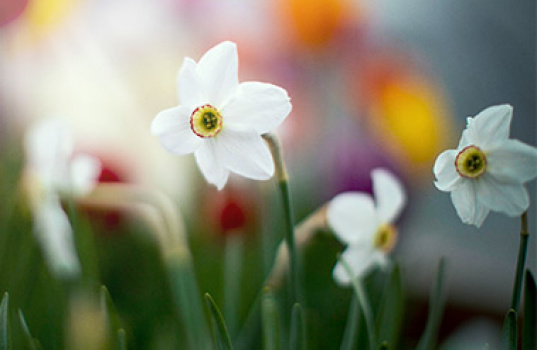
(366, 224)
(53, 170)
(488, 170)
(52, 161)
(221, 120)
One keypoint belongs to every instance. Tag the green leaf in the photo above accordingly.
(109, 309)
(31, 342)
(298, 329)
(111, 316)
(509, 331)
(4, 323)
(529, 331)
(270, 317)
(390, 315)
(220, 333)
(121, 339)
(352, 326)
(436, 309)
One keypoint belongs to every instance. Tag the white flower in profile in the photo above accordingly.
(221, 120)
(365, 224)
(53, 170)
(488, 170)
(51, 159)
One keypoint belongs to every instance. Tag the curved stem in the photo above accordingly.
(283, 179)
(522, 252)
(364, 303)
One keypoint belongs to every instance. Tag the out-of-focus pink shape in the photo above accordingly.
(11, 10)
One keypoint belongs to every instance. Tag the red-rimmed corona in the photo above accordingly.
(471, 162)
(206, 121)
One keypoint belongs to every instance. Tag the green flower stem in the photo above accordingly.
(368, 316)
(85, 245)
(233, 259)
(522, 252)
(304, 234)
(351, 328)
(283, 179)
(364, 304)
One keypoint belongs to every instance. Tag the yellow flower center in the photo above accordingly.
(385, 238)
(206, 121)
(471, 162)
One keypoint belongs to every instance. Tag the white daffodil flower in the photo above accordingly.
(50, 158)
(366, 225)
(488, 170)
(53, 170)
(221, 120)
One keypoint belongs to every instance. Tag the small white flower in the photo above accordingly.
(51, 159)
(221, 120)
(54, 171)
(366, 225)
(488, 170)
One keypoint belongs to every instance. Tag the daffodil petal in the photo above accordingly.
(360, 260)
(219, 72)
(511, 199)
(490, 126)
(54, 233)
(172, 126)
(445, 172)
(390, 197)
(49, 143)
(190, 87)
(513, 161)
(469, 209)
(210, 164)
(85, 171)
(257, 106)
(245, 153)
(352, 217)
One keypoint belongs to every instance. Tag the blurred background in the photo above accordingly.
(373, 84)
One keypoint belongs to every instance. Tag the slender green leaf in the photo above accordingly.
(111, 316)
(436, 310)
(509, 331)
(298, 329)
(271, 327)
(121, 339)
(4, 324)
(31, 343)
(529, 331)
(352, 326)
(390, 315)
(220, 333)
